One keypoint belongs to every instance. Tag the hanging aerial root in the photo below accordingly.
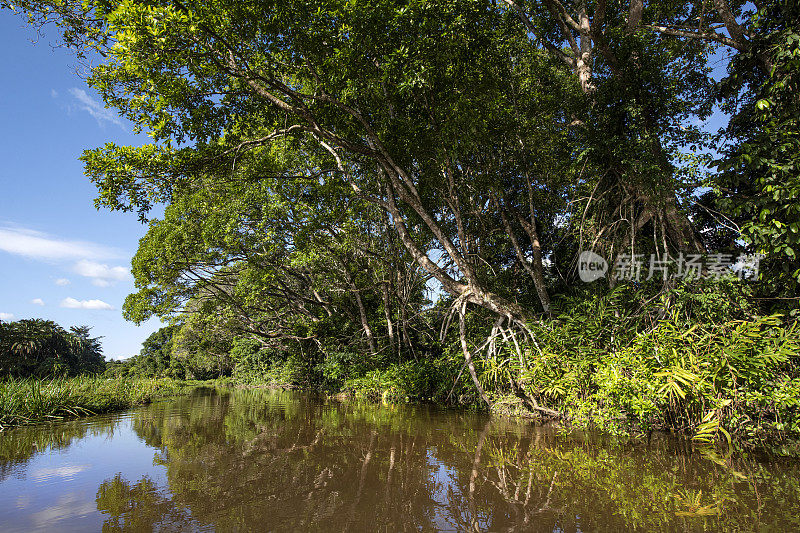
(505, 331)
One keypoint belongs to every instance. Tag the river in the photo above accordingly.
(268, 460)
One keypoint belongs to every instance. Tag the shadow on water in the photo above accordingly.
(276, 460)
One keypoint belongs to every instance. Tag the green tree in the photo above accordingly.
(759, 178)
(42, 348)
(322, 164)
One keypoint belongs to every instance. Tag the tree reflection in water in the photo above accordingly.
(271, 460)
(140, 507)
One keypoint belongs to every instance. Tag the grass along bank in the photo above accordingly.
(25, 401)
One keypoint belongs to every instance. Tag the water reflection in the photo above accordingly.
(18, 446)
(140, 506)
(272, 460)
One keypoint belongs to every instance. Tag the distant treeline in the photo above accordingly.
(160, 358)
(41, 348)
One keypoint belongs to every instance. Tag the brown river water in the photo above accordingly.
(264, 460)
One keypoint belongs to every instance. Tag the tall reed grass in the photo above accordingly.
(24, 401)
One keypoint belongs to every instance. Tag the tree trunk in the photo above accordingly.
(533, 272)
(462, 326)
(362, 312)
(387, 310)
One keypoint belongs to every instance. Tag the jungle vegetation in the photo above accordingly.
(391, 198)
(48, 373)
(41, 348)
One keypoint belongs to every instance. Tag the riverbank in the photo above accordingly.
(32, 401)
(27, 401)
(755, 438)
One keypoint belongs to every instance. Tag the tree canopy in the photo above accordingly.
(372, 176)
(42, 348)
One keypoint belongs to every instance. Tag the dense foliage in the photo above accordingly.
(154, 359)
(759, 181)
(42, 348)
(390, 198)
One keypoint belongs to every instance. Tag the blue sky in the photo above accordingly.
(60, 258)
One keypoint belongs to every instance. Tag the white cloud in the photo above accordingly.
(6, 316)
(102, 275)
(69, 506)
(38, 245)
(72, 303)
(37, 301)
(53, 93)
(95, 107)
(62, 282)
(64, 472)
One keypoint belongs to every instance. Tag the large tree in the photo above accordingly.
(399, 102)
(314, 157)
